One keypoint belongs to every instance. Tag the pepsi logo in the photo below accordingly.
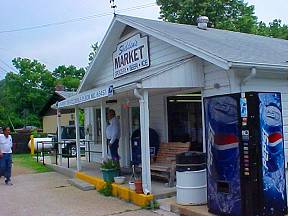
(272, 116)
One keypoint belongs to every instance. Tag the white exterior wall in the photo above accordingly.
(90, 128)
(161, 54)
(158, 110)
(217, 81)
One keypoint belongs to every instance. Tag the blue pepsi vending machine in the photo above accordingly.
(245, 154)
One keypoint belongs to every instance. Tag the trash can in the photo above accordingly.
(191, 184)
(136, 145)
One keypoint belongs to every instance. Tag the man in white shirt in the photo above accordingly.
(113, 134)
(6, 155)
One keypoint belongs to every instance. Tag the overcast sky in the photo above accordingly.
(70, 43)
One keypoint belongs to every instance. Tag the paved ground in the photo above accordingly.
(49, 194)
(16, 170)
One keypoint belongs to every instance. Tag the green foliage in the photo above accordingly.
(153, 205)
(107, 189)
(68, 76)
(37, 134)
(93, 52)
(233, 15)
(24, 94)
(273, 29)
(110, 164)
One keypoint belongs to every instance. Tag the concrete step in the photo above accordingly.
(82, 185)
(63, 170)
(169, 204)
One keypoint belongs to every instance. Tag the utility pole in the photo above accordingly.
(113, 6)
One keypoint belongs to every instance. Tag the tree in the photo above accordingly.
(234, 15)
(23, 94)
(277, 30)
(69, 76)
(93, 52)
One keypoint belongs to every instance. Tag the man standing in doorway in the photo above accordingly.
(6, 154)
(113, 134)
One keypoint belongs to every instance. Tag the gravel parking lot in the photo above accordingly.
(49, 194)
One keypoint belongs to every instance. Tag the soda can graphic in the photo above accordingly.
(224, 143)
(272, 136)
(225, 153)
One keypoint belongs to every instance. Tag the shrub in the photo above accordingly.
(110, 164)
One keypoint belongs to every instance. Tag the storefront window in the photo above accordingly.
(185, 120)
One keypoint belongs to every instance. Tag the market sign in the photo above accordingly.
(131, 55)
(87, 96)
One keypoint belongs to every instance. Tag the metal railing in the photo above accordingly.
(68, 150)
(87, 144)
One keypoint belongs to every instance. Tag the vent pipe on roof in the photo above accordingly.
(202, 22)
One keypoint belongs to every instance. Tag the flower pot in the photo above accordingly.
(131, 185)
(109, 174)
(138, 186)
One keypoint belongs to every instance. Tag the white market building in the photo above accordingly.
(158, 73)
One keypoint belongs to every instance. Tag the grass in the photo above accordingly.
(27, 161)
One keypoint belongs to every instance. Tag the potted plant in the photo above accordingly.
(110, 169)
(135, 182)
(138, 186)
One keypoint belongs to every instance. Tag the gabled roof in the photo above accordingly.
(55, 97)
(220, 47)
(65, 94)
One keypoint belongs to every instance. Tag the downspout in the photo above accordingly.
(250, 76)
(138, 95)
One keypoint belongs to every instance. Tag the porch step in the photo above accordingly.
(63, 170)
(82, 185)
(169, 204)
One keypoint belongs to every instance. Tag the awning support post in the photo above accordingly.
(103, 130)
(77, 139)
(59, 135)
(145, 145)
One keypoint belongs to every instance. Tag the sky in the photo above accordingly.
(70, 43)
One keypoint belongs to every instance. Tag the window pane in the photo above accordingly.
(185, 120)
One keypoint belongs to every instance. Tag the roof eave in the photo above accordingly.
(263, 66)
(178, 43)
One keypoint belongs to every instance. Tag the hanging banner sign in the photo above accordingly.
(87, 96)
(131, 55)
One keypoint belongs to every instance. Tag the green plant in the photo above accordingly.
(37, 134)
(110, 164)
(107, 189)
(152, 205)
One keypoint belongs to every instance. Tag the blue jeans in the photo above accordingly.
(5, 166)
(114, 149)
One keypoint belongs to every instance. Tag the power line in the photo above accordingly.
(7, 65)
(79, 19)
(4, 69)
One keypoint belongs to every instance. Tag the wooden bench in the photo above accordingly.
(164, 164)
